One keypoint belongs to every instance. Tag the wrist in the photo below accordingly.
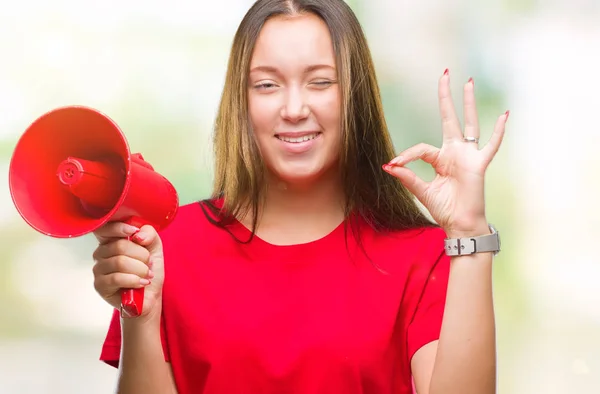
(474, 229)
(146, 320)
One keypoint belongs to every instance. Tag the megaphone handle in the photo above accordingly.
(132, 300)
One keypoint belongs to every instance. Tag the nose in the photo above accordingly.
(295, 107)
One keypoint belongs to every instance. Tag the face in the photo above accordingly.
(294, 98)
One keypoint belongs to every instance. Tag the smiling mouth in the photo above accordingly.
(297, 140)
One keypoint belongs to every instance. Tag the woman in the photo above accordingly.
(311, 269)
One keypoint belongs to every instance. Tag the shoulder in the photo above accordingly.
(418, 258)
(420, 241)
(189, 218)
(418, 236)
(186, 217)
(407, 253)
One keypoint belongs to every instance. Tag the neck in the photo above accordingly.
(296, 213)
(312, 199)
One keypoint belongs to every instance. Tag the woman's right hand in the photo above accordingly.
(129, 264)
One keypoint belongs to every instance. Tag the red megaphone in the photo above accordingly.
(72, 171)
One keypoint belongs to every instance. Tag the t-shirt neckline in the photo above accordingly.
(244, 233)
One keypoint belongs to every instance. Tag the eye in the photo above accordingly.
(265, 86)
(322, 83)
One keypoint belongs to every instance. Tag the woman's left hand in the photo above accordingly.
(455, 198)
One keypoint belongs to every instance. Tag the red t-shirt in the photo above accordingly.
(303, 319)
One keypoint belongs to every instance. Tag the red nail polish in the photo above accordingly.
(446, 72)
(138, 237)
(386, 167)
(507, 113)
(471, 81)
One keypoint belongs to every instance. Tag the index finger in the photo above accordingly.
(450, 124)
(112, 230)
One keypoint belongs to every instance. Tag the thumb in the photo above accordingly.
(409, 179)
(149, 238)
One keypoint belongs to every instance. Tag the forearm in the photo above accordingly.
(466, 355)
(142, 367)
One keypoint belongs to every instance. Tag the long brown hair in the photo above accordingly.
(371, 193)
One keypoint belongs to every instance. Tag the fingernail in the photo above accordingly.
(130, 230)
(507, 113)
(386, 167)
(144, 282)
(396, 160)
(150, 274)
(471, 81)
(139, 237)
(446, 72)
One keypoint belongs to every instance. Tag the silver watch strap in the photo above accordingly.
(470, 245)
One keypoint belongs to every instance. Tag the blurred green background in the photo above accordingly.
(157, 69)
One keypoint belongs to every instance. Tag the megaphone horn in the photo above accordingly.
(72, 172)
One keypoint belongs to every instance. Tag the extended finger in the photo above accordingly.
(470, 110)
(121, 264)
(491, 148)
(121, 246)
(113, 230)
(425, 152)
(450, 123)
(107, 285)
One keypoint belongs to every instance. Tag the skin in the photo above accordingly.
(287, 92)
(464, 359)
(295, 91)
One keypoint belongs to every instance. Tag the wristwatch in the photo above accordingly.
(470, 245)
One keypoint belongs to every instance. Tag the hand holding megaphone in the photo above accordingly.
(128, 258)
(72, 172)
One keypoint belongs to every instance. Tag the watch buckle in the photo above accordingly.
(465, 247)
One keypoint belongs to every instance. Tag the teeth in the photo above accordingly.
(299, 139)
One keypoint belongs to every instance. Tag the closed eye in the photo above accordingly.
(323, 83)
(264, 85)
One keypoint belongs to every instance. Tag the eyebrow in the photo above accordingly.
(311, 68)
